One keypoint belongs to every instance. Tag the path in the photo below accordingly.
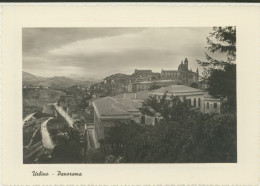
(64, 115)
(46, 138)
(27, 118)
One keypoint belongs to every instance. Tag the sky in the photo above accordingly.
(100, 52)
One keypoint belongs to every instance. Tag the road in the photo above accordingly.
(27, 118)
(64, 115)
(46, 138)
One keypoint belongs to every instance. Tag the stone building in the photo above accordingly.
(183, 75)
(142, 72)
(146, 85)
(195, 97)
(108, 110)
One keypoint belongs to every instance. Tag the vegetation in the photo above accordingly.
(39, 115)
(185, 135)
(221, 73)
(194, 85)
(153, 87)
(68, 147)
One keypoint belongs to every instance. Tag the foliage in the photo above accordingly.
(221, 74)
(40, 114)
(194, 85)
(186, 135)
(169, 109)
(152, 105)
(153, 87)
(222, 84)
(95, 156)
(68, 147)
(222, 40)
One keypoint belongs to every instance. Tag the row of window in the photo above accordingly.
(194, 102)
(197, 102)
(176, 74)
(215, 105)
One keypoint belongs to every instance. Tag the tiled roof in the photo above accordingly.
(117, 107)
(177, 89)
(143, 95)
(209, 97)
(169, 70)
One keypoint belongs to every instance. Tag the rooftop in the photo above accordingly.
(116, 107)
(177, 89)
(169, 70)
(209, 97)
(150, 82)
(143, 95)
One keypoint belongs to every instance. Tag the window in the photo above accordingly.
(199, 102)
(155, 121)
(215, 105)
(189, 102)
(142, 119)
(194, 102)
(207, 105)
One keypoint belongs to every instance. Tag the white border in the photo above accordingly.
(245, 17)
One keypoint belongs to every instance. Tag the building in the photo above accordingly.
(183, 75)
(142, 73)
(195, 97)
(213, 105)
(125, 107)
(138, 96)
(109, 110)
(146, 85)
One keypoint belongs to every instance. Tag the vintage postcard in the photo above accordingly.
(130, 94)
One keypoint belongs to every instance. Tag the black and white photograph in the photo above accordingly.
(111, 95)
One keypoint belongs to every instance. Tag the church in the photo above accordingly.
(183, 75)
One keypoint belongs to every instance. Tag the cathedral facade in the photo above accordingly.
(183, 75)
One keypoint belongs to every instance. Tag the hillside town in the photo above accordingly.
(93, 110)
(172, 116)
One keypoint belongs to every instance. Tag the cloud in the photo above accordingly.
(101, 52)
(163, 39)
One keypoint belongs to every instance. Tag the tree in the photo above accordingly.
(221, 73)
(201, 139)
(223, 41)
(154, 86)
(68, 147)
(194, 85)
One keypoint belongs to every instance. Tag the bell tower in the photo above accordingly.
(186, 64)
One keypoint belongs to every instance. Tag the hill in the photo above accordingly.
(58, 82)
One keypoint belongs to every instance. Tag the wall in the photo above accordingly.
(211, 108)
(197, 99)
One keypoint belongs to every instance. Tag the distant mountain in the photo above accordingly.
(32, 78)
(54, 82)
(83, 78)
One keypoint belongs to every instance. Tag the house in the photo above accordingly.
(146, 85)
(195, 97)
(141, 73)
(213, 105)
(108, 110)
